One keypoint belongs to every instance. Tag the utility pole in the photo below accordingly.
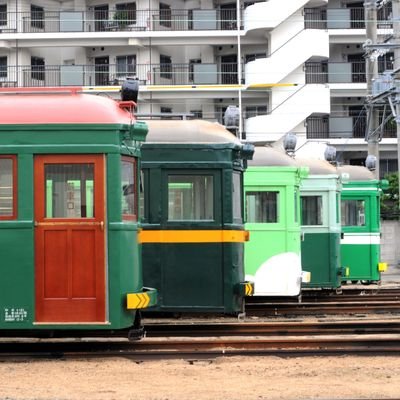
(396, 67)
(372, 137)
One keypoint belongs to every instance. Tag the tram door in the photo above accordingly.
(69, 238)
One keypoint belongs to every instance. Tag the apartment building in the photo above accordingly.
(292, 67)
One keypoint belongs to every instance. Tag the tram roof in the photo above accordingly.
(188, 131)
(316, 166)
(61, 108)
(356, 173)
(265, 156)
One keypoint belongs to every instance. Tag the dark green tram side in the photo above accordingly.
(193, 231)
(70, 258)
(361, 226)
(320, 224)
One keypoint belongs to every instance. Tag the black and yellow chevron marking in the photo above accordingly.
(249, 289)
(137, 300)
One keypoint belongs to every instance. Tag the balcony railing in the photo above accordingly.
(343, 127)
(345, 18)
(343, 72)
(126, 20)
(114, 74)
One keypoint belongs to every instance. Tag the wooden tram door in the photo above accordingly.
(69, 238)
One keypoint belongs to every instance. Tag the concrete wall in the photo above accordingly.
(390, 249)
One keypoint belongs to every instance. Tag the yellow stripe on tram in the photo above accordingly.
(193, 236)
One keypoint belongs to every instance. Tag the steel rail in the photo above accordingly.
(198, 348)
(202, 329)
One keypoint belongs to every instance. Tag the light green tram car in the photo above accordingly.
(320, 220)
(272, 197)
(360, 244)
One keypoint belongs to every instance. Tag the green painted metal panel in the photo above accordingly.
(320, 255)
(361, 261)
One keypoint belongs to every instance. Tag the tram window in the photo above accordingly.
(190, 197)
(262, 207)
(353, 213)
(7, 187)
(69, 190)
(236, 198)
(129, 204)
(311, 210)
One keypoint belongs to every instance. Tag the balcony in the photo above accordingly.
(117, 21)
(345, 18)
(114, 74)
(343, 72)
(343, 127)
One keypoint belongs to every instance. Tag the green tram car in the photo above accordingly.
(320, 224)
(69, 243)
(193, 232)
(272, 198)
(360, 244)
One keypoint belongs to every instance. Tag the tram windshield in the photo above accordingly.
(190, 197)
(311, 210)
(262, 207)
(353, 213)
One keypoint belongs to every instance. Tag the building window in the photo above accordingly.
(164, 111)
(197, 114)
(255, 56)
(311, 210)
(3, 67)
(262, 207)
(353, 213)
(37, 68)
(126, 66)
(37, 17)
(8, 187)
(3, 14)
(191, 68)
(190, 197)
(253, 111)
(165, 67)
(128, 186)
(125, 13)
(165, 15)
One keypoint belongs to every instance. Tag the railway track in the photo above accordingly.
(320, 302)
(210, 340)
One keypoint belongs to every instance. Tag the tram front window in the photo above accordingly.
(190, 197)
(353, 213)
(311, 210)
(262, 207)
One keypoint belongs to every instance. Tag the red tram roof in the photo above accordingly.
(61, 109)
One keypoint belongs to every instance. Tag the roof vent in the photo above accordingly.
(370, 162)
(289, 143)
(330, 154)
